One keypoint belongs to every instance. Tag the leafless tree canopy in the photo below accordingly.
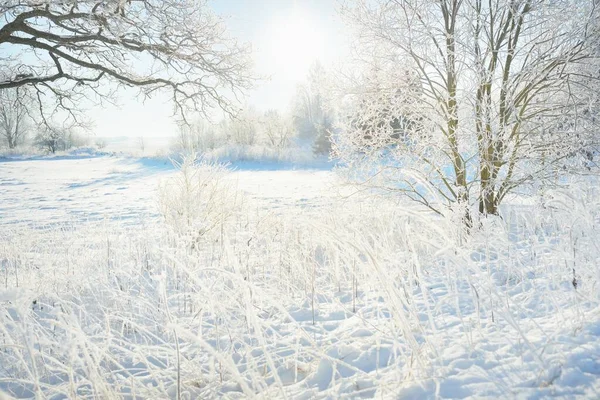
(507, 91)
(69, 49)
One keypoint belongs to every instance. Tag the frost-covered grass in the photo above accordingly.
(357, 296)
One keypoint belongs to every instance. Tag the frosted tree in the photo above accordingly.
(243, 128)
(323, 141)
(196, 136)
(13, 116)
(52, 138)
(467, 100)
(277, 129)
(71, 50)
(309, 105)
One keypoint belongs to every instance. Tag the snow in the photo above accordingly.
(84, 186)
(302, 291)
(63, 190)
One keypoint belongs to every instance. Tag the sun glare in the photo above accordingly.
(295, 42)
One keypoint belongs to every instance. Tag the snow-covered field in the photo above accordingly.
(77, 189)
(274, 283)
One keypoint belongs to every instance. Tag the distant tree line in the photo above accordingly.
(308, 123)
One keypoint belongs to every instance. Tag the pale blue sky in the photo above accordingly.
(287, 36)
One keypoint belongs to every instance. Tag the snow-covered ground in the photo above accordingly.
(289, 291)
(71, 190)
(76, 189)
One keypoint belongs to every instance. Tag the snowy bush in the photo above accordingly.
(200, 198)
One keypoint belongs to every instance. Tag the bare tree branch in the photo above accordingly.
(175, 46)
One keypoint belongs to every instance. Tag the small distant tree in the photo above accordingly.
(13, 116)
(277, 130)
(100, 143)
(199, 136)
(310, 103)
(242, 129)
(75, 138)
(323, 141)
(141, 143)
(52, 138)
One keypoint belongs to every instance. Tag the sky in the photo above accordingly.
(286, 36)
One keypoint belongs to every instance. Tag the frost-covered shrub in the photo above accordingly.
(199, 199)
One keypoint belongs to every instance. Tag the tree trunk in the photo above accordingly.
(488, 202)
